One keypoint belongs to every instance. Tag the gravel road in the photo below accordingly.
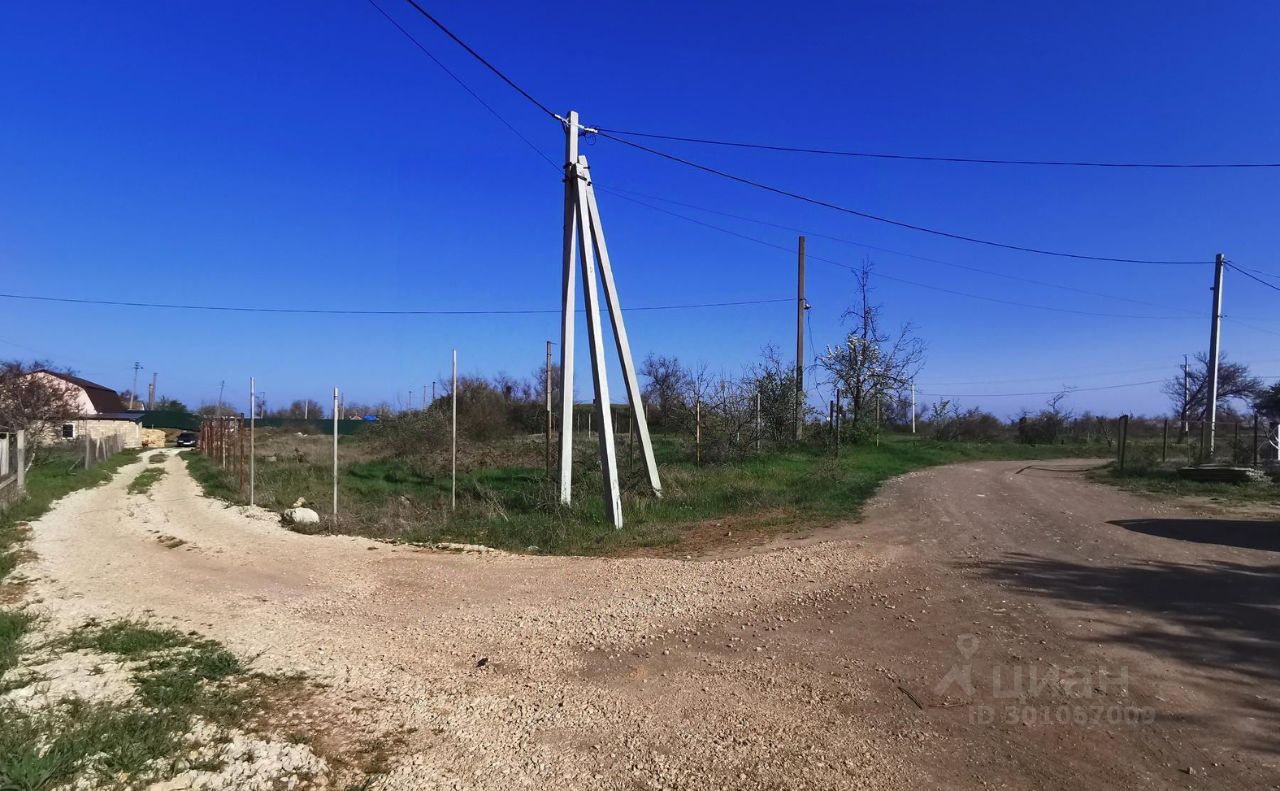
(985, 625)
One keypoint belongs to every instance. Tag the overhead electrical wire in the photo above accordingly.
(1067, 390)
(361, 312)
(927, 158)
(777, 190)
(426, 14)
(465, 87)
(881, 219)
(929, 286)
(624, 194)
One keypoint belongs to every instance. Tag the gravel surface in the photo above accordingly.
(806, 664)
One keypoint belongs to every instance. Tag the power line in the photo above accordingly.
(886, 220)
(927, 158)
(1067, 390)
(954, 292)
(359, 312)
(482, 59)
(1251, 276)
(465, 87)
(967, 267)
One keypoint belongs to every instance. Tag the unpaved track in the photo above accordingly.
(814, 665)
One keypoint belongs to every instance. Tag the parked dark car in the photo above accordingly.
(186, 439)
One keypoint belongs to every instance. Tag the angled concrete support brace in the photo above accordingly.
(584, 237)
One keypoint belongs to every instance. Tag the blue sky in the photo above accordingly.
(306, 155)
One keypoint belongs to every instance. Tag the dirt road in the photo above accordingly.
(986, 625)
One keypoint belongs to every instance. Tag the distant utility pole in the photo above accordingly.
(800, 307)
(425, 403)
(133, 391)
(1214, 333)
(218, 408)
(151, 393)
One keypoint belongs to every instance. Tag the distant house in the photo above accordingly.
(100, 413)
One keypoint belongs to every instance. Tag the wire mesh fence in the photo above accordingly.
(222, 439)
(96, 450)
(1240, 443)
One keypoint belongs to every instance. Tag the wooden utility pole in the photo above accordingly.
(1214, 339)
(800, 307)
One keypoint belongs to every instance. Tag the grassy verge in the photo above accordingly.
(48, 481)
(13, 625)
(177, 678)
(145, 480)
(514, 508)
(1163, 481)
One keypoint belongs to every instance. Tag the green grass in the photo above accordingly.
(145, 480)
(514, 508)
(1163, 480)
(48, 481)
(178, 677)
(13, 625)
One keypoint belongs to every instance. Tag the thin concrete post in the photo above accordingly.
(453, 452)
(21, 453)
(335, 453)
(253, 412)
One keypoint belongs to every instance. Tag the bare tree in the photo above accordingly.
(872, 362)
(33, 398)
(1235, 384)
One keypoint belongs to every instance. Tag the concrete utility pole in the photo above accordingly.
(218, 408)
(151, 392)
(133, 391)
(584, 239)
(800, 307)
(1214, 332)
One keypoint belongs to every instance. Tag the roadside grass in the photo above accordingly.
(48, 481)
(178, 678)
(1163, 481)
(13, 625)
(514, 507)
(145, 480)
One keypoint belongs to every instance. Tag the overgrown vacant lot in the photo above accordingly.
(505, 500)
